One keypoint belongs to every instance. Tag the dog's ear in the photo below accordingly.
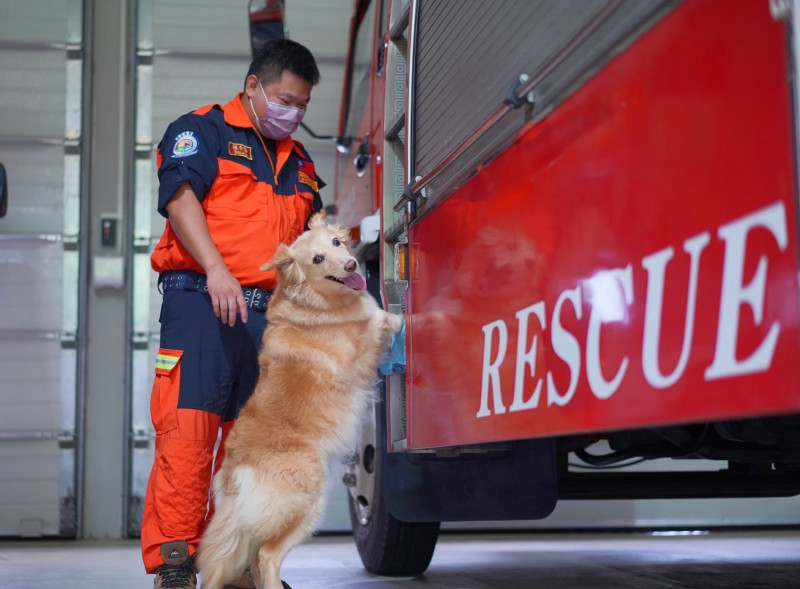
(317, 219)
(283, 257)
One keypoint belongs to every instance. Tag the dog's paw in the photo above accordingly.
(393, 322)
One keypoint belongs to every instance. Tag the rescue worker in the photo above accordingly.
(232, 185)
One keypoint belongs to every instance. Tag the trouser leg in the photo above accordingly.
(202, 378)
(177, 495)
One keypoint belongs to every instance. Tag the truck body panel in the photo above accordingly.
(597, 265)
(630, 260)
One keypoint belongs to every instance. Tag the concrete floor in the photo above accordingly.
(754, 559)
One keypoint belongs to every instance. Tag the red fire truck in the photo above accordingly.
(587, 212)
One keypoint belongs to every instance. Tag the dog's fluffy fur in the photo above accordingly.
(318, 365)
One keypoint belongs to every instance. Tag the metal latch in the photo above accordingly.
(513, 99)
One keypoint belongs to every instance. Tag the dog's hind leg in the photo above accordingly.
(267, 563)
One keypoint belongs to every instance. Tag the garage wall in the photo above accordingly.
(40, 100)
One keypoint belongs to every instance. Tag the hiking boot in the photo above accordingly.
(176, 576)
(177, 572)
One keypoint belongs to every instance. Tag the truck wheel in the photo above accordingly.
(387, 546)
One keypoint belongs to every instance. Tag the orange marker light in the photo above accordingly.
(401, 260)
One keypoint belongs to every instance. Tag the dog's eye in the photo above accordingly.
(336, 242)
(318, 259)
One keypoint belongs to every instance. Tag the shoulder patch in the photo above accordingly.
(186, 144)
(306, 179)
(306, 166)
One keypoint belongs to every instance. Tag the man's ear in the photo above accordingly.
(282, 258)
(251, 86)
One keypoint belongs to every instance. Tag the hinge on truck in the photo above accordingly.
(409, 195)
(513, 99)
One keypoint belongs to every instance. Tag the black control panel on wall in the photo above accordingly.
(108, 231)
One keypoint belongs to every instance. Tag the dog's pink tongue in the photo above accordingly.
(355, 281)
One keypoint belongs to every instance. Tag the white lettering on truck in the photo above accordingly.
(735, 294)
(656, 264)
(611, 295)
(567, 347)
(604, 292)
(491, 370)
(527, 358)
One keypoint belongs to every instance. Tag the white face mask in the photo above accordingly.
(279, 121)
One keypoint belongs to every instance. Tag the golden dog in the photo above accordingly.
(318, 364)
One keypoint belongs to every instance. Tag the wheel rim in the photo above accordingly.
(360, 475)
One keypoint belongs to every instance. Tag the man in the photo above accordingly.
(233, 185)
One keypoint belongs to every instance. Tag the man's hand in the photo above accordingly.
(188, 219)
(227, 298)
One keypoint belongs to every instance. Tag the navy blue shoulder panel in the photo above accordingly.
(189, 151)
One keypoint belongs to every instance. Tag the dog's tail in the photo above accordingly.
(225, 550)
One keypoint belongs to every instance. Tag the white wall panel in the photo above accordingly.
(201, 26)
(31, 398)
(37, 388)
(32, 103)
(29, 473)
(26, 304)
(35, 185)
(34, 21)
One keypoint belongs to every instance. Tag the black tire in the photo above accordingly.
(388, 546)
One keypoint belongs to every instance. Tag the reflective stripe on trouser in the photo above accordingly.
(204, 373)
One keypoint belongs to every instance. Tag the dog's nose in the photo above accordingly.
(351, 265)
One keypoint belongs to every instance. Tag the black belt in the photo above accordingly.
(256, 298)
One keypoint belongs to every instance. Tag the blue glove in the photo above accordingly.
(394, 359)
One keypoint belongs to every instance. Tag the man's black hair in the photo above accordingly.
(277, 55)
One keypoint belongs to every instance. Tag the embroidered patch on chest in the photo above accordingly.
(186, 144)
(240, 150)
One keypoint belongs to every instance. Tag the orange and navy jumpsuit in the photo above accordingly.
(255, 195)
